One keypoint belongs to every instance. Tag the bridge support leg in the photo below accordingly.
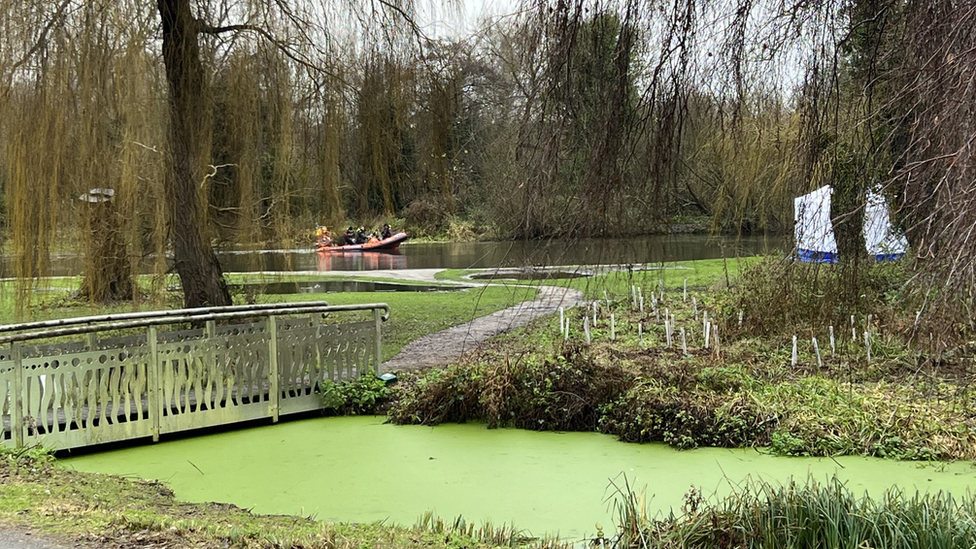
(17, 414)
(273, 393)
(155, 410)
(378, 359)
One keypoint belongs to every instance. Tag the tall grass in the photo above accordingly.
(804, 515)
(488, 533)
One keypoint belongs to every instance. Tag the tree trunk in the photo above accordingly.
(196, 263)
(847, 216)
(108, 270)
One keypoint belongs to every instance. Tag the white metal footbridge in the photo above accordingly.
(85, 381)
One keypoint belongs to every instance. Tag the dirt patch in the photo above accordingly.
(20, 537)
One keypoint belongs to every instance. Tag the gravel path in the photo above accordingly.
(447, 345)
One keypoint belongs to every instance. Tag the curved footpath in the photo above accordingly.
(448, 345)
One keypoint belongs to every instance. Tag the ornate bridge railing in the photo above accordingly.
(243, 363)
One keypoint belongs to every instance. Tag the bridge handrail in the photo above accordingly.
(58, 322)
(102, 323)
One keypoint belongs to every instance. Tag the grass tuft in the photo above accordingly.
(808, 515)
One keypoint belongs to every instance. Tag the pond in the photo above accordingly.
(478, 255)
(358, 469)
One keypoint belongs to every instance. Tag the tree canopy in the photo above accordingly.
(231, 123)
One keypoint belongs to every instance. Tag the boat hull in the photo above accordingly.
(385, 245)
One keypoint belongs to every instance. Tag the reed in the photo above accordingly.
(807, 515)
(504, 535)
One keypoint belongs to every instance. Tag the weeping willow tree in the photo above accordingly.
(441, 136)
(733, 108)
(751, 195)
(322, 148)
(89, 104)
(78, 113)
(574, 72)
(329, 152)
(382, 104)
(885, 102)
(631, 112)
(930, 121)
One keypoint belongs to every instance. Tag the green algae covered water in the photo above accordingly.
(357, 469)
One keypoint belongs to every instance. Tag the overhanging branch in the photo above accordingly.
(205, 28)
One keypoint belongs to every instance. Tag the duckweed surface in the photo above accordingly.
(358, 469)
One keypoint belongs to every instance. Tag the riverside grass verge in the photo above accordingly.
(800, 515)
(742, 389)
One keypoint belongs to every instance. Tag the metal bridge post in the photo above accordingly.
(17, 419)
(155, 410)
(319, 367)
(273, 392)
(378, 359)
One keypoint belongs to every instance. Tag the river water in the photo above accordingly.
(475, 255)
(481, 255)
(359, 469)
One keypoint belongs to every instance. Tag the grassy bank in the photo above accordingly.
(744, 390)
(804, 515)
(415, 314)
(874, 395)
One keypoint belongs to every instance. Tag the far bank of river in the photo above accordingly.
(358, 469)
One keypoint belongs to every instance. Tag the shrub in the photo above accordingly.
(425, 217)
(650, 413)
(780, 296)
(361, 397)
(561, 393)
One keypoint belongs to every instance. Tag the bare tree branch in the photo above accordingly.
(41, 40)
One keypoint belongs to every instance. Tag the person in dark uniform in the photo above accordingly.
(361, 236)
(349, 236)
(386, 232)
